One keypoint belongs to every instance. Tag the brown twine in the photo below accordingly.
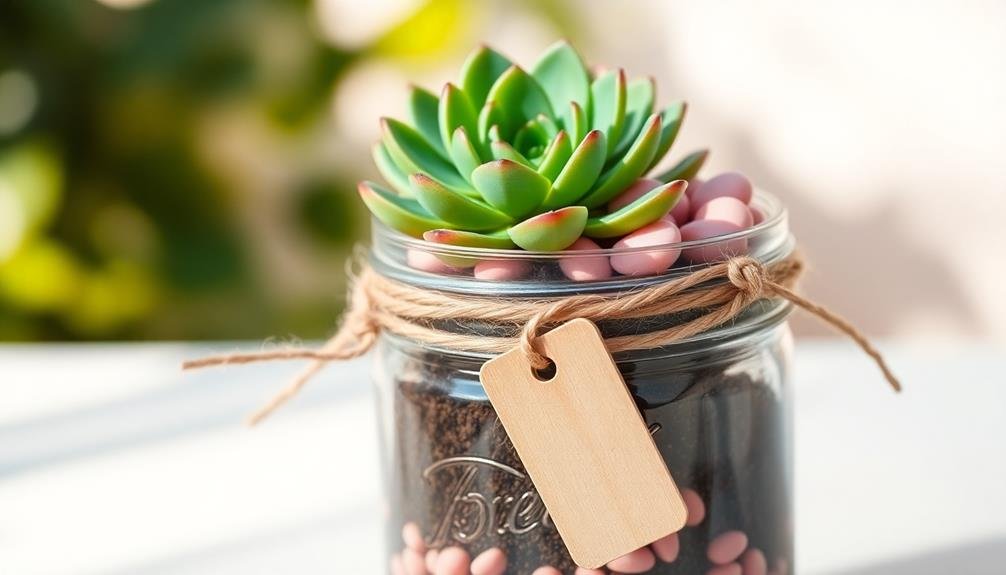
(382, 304)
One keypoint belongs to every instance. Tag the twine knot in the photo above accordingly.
(702, 297)
(748, 276)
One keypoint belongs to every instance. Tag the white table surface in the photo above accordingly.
(113, 461)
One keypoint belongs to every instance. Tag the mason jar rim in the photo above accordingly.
(773, 212)
(769, 241)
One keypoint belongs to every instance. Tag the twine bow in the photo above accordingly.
(381, 304)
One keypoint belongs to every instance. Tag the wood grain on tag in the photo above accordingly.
(585, 446)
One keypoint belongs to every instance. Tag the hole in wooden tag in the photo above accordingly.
(545, 374)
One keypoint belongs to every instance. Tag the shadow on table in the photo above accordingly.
(981, 558)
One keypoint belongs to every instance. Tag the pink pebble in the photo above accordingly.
(490, 562)
(756, 216)
(547, 571)
(413, 537)
(696, 507)
(639, 561)
(729, 184)
(585, 268)
(659, 233)
(754, 562)
(667, 548)
(585, 571)
(727, 547)
(693, 186)
(501, 270)
(427, 262)
(453, 561)
(431, 560)
(729, 569)
(726, 209)
(681, 212)
(635, 191)
(413, 561)
(713, 252)
(397, 567)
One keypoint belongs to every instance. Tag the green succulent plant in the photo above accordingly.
(509, 158)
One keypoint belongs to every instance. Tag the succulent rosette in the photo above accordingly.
(510, 158)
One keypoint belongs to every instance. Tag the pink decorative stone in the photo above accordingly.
(413, 561)
(729, 569)
(635, 191)
(431, 559)
(696, 507)
(490, 562)
(501, 270)
(714, 252)
(726, 209)
(693, 186)
(585, 268)
(427, 262)
(397, 567)
(547, 571)
(756, 216)
(643, 263)
(727, 547)
(639, 561)
(754, 563)
(730, 184)
(682, 210)
(667, 548)
(453, 561)
(413, 537)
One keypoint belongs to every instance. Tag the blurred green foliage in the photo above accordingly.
(120, 217)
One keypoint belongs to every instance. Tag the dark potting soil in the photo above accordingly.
(456, 475)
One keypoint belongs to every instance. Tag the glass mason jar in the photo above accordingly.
(717, 405)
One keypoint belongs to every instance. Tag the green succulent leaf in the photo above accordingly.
(455, 208)
(580, 172)
(551, 231)
(532, 138)
(629, 167)
(390, 171)
(510, 187)
(686, 169)
(670, 124)
(519, 98)
(501, 150)
(555, 157)
(497, 240)
(494, 134)
(608, 94)
(548, 124)
(423, 114)
(466, 157)
(455, 112)
(576, 122)
(647, 209)
(490, 117)
(639, 96)
(403, 214)
(412, 153)
(480, 71)
(560, 71)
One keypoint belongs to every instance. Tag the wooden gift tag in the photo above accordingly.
(585, 446)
